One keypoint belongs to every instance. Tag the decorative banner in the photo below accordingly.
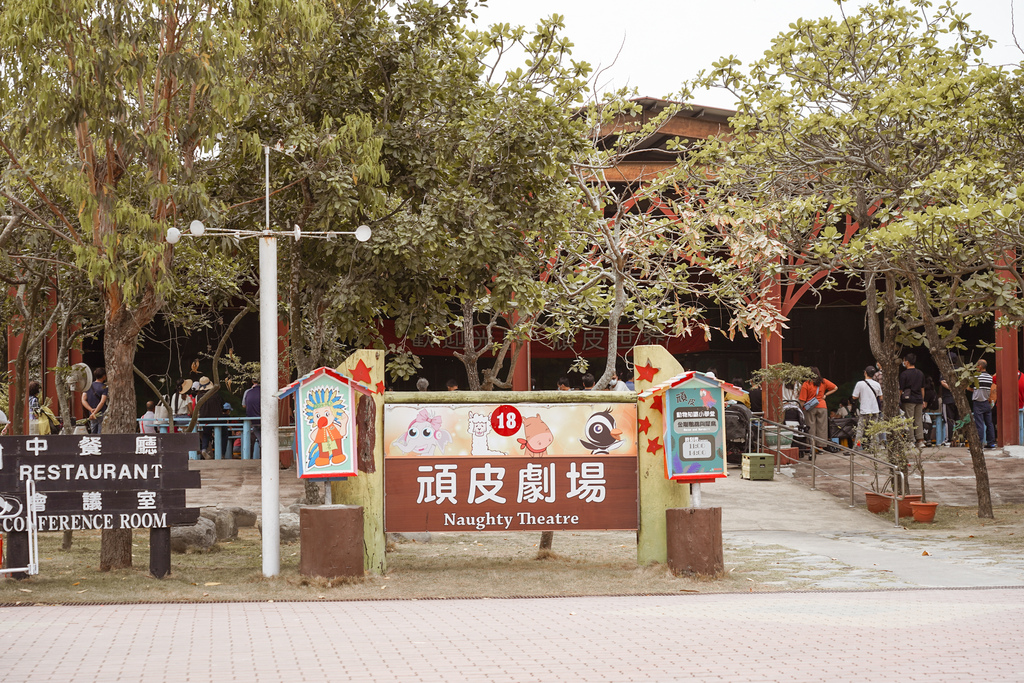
(490, 467)
(526, 429)
(116, 481)
(694, 431)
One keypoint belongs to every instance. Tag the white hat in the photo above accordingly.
(204, 383)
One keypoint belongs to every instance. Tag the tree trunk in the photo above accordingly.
(940, 354)
(547, 539)
(121, 335)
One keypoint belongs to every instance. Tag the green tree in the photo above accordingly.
(107, 106)
(856, 117)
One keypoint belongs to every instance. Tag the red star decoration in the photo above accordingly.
(361, 372)
(643, 425)
(654, 445)
(646, 373)
(380, 387)
(658, 402)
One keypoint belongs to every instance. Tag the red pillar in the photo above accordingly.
(771, 353)
(521, 379)
(1007, 421)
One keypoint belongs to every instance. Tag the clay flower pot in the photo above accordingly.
(905, 503)
(877, 502)
(924, 512)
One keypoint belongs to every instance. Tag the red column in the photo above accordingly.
(771, 353)
(521, 379)
(1007, 421)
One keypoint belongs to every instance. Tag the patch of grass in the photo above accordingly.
(1007, 529)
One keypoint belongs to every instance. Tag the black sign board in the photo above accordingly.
(116, 481)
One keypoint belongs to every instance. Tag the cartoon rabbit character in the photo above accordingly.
(325, 414)
(538, 437)
(424, 435)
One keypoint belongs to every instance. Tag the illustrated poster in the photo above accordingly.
(325, 433)
(694, 433)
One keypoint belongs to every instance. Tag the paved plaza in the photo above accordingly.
(955, 614)
(919, 635)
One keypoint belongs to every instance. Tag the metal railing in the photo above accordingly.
(786, 433)
(225, 431)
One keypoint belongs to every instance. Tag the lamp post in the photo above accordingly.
(269, 418)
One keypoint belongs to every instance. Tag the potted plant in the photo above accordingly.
(771, 381)
(891, 442)
(923, 511)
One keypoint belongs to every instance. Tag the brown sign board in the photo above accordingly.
(116, 481)
(553, 493)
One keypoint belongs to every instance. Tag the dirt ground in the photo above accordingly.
(498, 564)
(456, 566)
(450, 566)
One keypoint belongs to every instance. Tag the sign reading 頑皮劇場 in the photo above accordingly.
(117, 481)
(500, 467)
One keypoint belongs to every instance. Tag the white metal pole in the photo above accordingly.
(270, 492)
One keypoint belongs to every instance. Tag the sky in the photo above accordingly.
(662, 43)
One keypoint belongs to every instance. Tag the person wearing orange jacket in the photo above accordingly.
(812, 398)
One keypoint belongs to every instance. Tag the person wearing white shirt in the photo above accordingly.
(868, 394)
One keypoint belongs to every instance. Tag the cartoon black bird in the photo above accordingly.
(602, 436)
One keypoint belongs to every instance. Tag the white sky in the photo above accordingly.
(665, 42)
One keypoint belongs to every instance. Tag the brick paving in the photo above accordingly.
(935, 635)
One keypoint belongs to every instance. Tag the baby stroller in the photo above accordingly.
(794, 418)
(843, 428)
(737, 432)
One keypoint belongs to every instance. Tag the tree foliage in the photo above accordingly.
(863, 147)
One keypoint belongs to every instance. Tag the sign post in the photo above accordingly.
(510, 467)
(116, 481)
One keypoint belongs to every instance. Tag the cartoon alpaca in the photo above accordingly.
(324, 411)
(538, 437)
(424, 435)
(479, 427)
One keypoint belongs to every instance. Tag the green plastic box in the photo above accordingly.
(758, 466)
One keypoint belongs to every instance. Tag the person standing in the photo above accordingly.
(251, 402)
(34, 407)
(209, 410)
(422, 384)
(95, 400)
(812, 398)
(588, 382)
(912, 396)
(981, 398)
(563, 384)
(617, 384)
(148, 421)
(868, 394)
